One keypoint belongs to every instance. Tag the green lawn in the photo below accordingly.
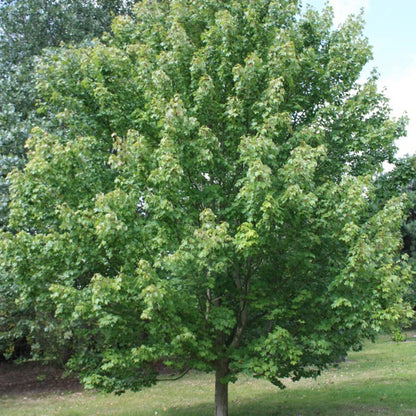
(380, 380)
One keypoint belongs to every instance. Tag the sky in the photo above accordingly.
(391, 30)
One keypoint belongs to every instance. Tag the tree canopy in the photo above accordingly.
(202, 195)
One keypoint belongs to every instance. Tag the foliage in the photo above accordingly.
(398, 336)
(26, 28)
(202, 194)
(399, 180)
(381, 376)
(402, 178)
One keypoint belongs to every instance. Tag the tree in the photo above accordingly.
(26, 28)
(399, 180)
(203, 195)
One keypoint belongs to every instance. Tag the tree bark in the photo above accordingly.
(221, 388)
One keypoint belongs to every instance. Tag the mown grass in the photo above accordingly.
(380, 380)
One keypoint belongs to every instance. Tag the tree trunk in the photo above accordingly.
(221, 388)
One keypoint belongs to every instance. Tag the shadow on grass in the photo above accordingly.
(257, 408)
(268, 405)
(319, 404)
(261, 406)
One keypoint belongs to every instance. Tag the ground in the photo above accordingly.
(33, 378)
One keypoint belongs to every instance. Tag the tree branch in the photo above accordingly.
(183, 374)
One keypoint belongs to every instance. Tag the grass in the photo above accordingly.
(380, 380)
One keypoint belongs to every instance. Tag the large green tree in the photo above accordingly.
(203, 195)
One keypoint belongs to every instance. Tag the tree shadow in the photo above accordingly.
(265, 405)
(32, 378)
(260, 405)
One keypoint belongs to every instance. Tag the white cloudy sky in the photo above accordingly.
(391, 29)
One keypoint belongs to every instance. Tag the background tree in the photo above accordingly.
(26, 28)
(203, 194)
(399, 180)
